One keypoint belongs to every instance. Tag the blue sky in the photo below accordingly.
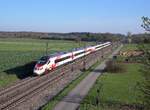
(116, 16)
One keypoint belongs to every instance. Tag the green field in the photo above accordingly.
(113, 90)
(130, 47)
(17, 52)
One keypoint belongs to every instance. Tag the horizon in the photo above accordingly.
(105, 16)
(72, 32)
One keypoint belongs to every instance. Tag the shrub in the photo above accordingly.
(114, 67)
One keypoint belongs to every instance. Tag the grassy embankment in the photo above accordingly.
(116, 91)
(15, 53)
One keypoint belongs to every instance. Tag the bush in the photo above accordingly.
(114, 67)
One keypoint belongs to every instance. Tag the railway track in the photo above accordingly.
(14, 86)
(28, 94)
(18, 93)
(22, 91)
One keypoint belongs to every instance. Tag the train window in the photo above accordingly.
(79, 53)
(98, 46)
(48, 62)
(43, 60)
(61, 59)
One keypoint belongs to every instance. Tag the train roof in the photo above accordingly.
(61, 53)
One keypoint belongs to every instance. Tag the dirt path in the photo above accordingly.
(73, 99)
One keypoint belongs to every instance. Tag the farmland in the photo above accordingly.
(15, 53)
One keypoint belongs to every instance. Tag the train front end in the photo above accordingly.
(40, 66)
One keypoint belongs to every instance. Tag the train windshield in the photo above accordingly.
(43, 60)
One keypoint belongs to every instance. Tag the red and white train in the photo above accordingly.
(50, 62)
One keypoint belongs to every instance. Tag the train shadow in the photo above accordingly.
(23, 71)
(98, 70)
(93, 70)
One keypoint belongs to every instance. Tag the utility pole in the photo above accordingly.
(84, 56)
(46, 48)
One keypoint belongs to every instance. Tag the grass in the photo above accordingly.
(115, 89)
(16, 52)
(130, 47)
(122, 87)
(66, 90)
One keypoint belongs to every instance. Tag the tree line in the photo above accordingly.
(81, 36)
